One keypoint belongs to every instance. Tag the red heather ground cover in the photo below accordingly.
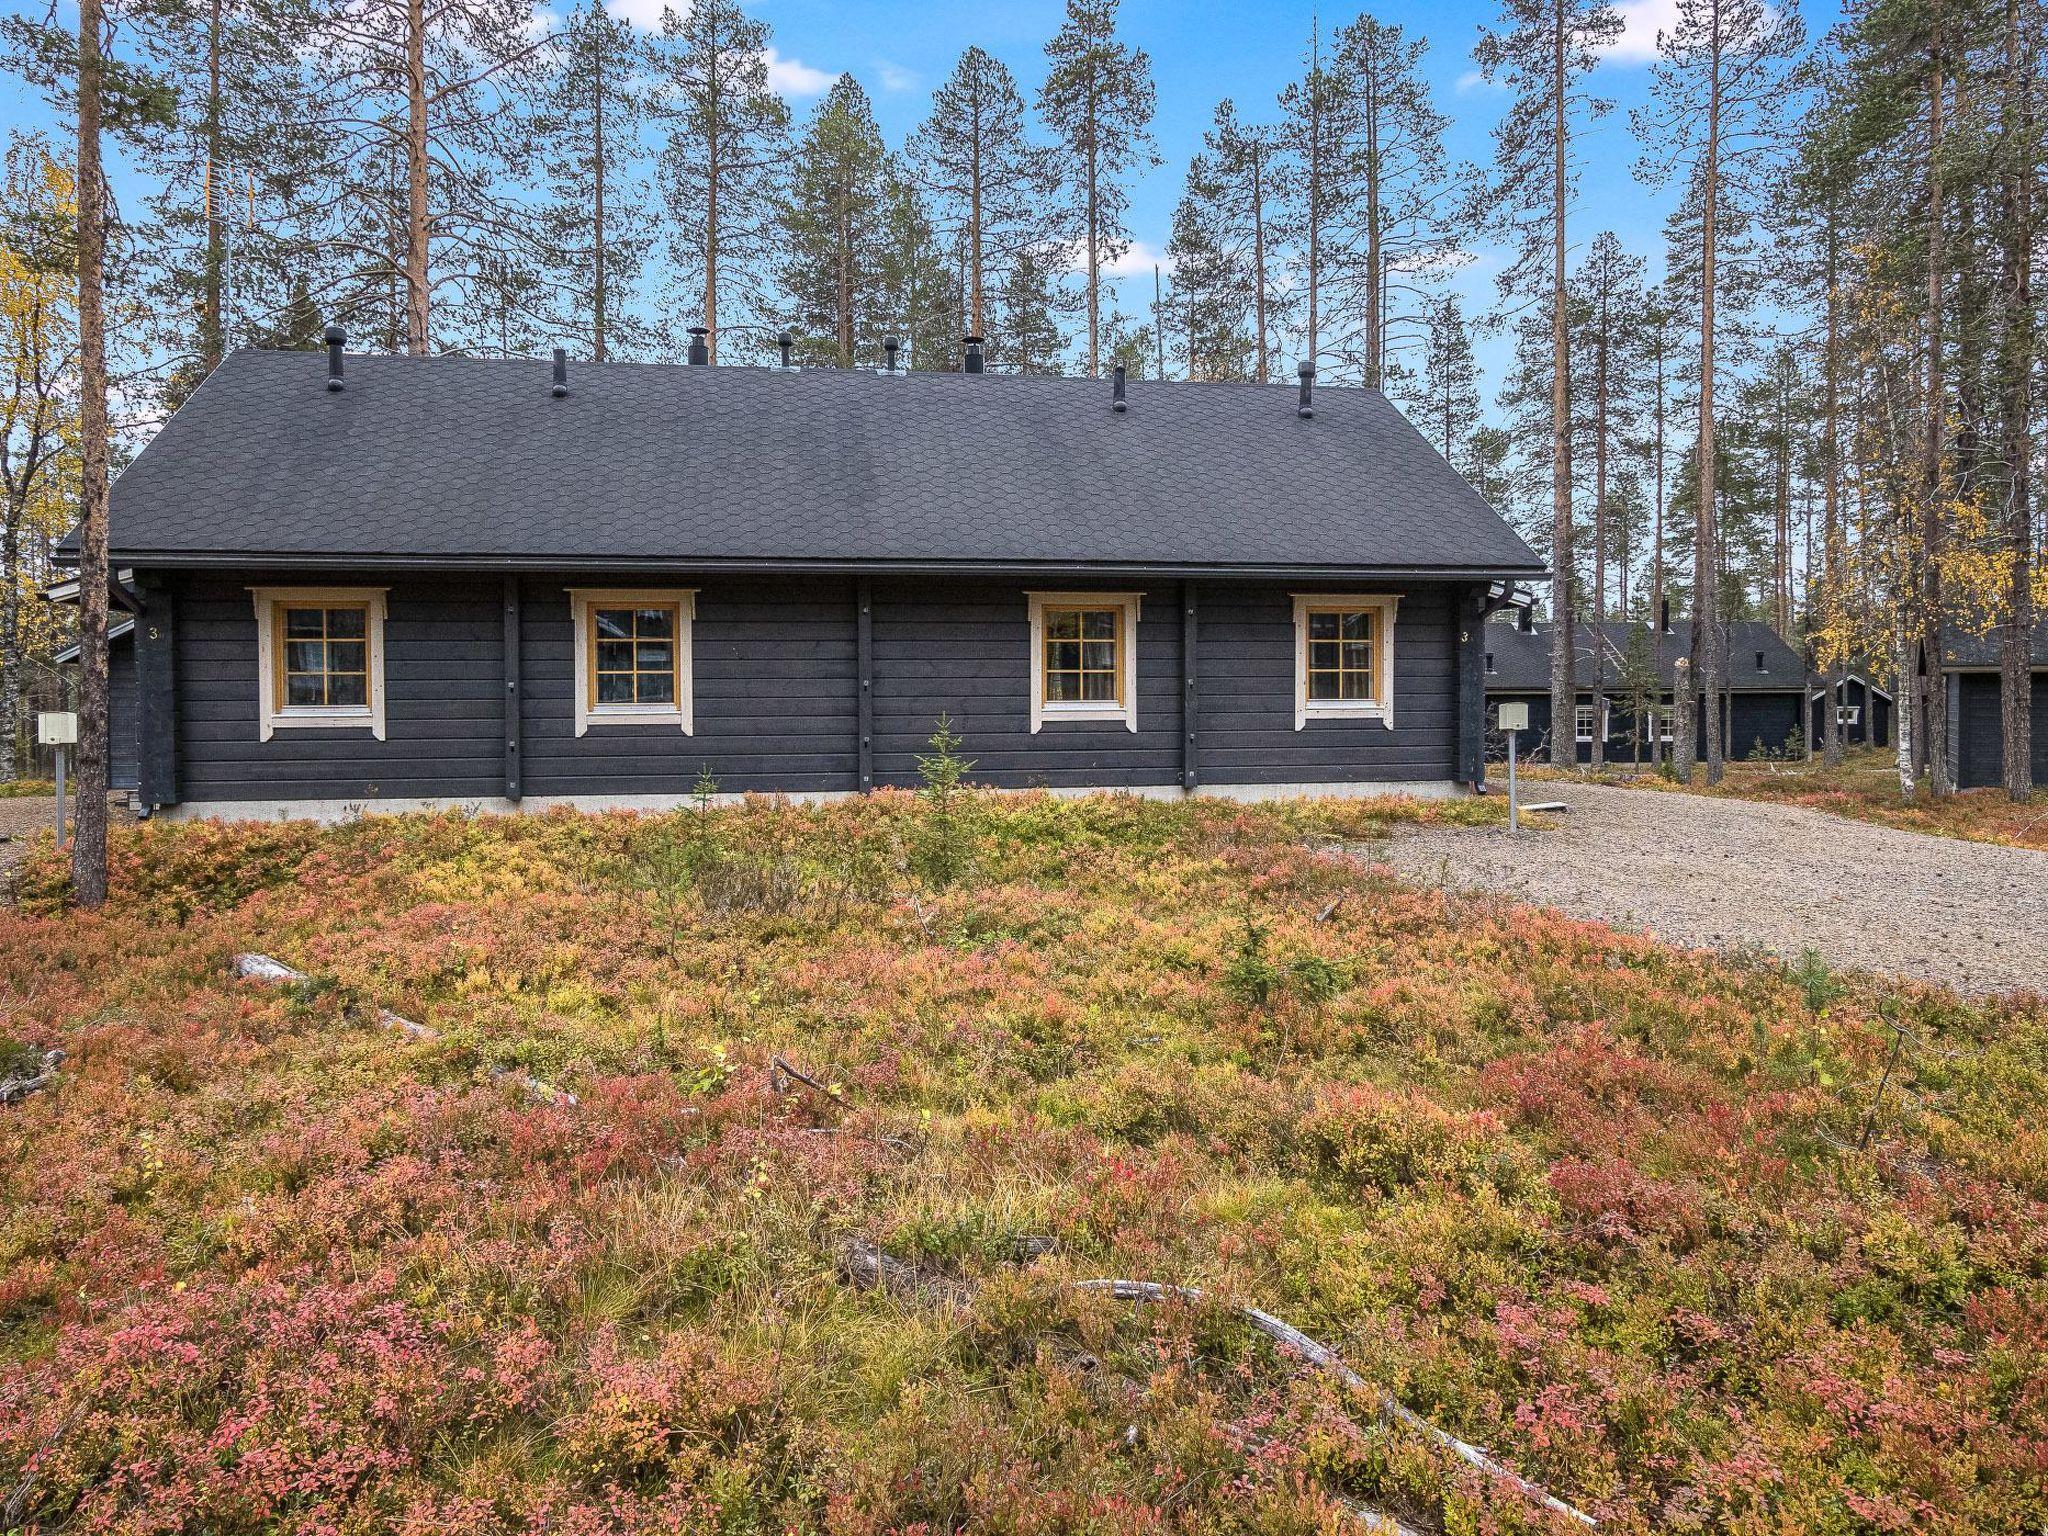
(1598, 1204)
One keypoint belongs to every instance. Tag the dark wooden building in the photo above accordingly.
(1970, 664)
(1762, 710)
(452, 581)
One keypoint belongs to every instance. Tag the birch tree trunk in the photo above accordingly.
(1706, 559)
(1934, 750)
(1563, 683)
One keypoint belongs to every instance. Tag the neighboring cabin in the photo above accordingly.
(444, 582)
(1767, 708)
(1977, 709)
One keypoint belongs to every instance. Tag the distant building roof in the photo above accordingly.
(1970, 652)
(1521, 659)
(453, 461)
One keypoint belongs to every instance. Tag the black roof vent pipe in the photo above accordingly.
(336, 338)
(561, 374)
(786, 343)
(1664, 616)
(972, 361)
(889, 347)
(1307, 370)
(1760, 662)
(700, 351)
(1116, 391)
(1527, 622)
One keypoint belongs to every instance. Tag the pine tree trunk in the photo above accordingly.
(1934, 749)
(89, 839)
(2015, 680)
(974, 232)
(1375, 361)
(597, 175)
(1259, 259)
(1831, 519)
(1095, 248)
(1563, 683)
(417, 224)
(1657, 551)
(1706, 561)
(212, 331)
(714, 205)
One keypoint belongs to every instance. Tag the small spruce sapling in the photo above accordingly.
(942, 850)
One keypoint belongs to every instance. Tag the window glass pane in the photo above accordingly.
(1322, 685)
(1099, 624)
(655, 623)
(1357, 626)
(614, 623)
(614, 655)
(657, 688)
(1322, 655)
(1062, 624)
(304, 656)
(303, 621)
(345, 623)
(614, 687)
(655, 656)
(1357, 656)
(1099, 655)
(1322, 626)
(1357, 685)
(304, 688)
(346, 655)
(348, 688)
(1063, 656)
(1098, 686)
(1062, 687)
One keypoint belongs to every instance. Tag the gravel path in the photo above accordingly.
(1725, 873)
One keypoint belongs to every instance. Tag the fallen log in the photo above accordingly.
(1292, 1338)
(14, 1089)
(275, 973)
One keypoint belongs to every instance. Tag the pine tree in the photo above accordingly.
(1098, 101)
(722, 162)
(1211, 283)
(1610, 299)
(1539, 52)
(836, 222)
(986, 182)
(1720, 86)
(1319, 134)
(1398, 223)
(588, 129)
(1445, 401)
(1030, 338)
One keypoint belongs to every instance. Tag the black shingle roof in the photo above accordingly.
(1522, 661)
(449, 460)
(1963, 650)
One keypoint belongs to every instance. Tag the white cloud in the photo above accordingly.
(1138, 260)
(1641, 21)
(646, 14)
(793, 77)
(894, 77)
(1470, 81)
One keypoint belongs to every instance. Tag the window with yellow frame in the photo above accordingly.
(633, 656)
(320, 659)
(1343, 657)
(1083, 661)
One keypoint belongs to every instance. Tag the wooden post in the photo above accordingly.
(515, 710)
(1471, 663)
(1190, 656)
(864, 667)
(156, 651)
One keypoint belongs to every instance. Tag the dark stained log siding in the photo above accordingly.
(1248, 734)
(443, 717)
(964, 648)
(1980, 732)
(775, 693)
(124, 706)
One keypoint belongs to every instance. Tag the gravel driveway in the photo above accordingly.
(1723, 873)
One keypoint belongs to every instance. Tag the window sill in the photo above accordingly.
(1084, 714)
(308, 717)
(626, 714)
(1358, 711)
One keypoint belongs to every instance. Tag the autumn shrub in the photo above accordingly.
(1604, 1207)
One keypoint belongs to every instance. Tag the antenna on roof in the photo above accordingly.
(561, 373)
(336, 338)
(1307, 370)
(1116, 391)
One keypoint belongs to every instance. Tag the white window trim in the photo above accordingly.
(1604, 719)
(1127, 681)
(1380, 706)
(1848, 714)
(271, 716)
(681, 714)
(1662, 721)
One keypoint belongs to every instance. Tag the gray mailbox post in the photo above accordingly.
(1513, 717)
(58, 728)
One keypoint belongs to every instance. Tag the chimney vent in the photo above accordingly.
(700, 350)
(336, 338)
(1489, 661)
(972, 361)
(1664, 616)
(889, 347)
(1527, 622)
(1760, 662)
(561, 373)
(787, 344)
(1117, 402)
(1307, 370)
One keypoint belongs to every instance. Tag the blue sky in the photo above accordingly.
(1202, 51)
